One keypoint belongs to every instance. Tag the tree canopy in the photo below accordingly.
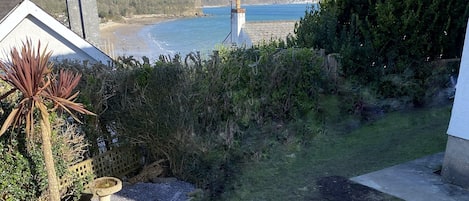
(381, 36)
(119, 8)
(391, 46)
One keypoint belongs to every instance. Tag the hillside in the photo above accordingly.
(132, 7)
(227, 3)
(113, 9)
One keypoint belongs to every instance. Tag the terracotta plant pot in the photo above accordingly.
(104, 187)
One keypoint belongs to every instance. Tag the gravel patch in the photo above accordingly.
(171, 191)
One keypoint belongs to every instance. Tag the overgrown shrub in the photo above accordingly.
(22, 165)
(206, 116)
(20, 179)
(21, 161)
(390, 45)
(196, 113)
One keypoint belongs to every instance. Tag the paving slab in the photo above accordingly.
(415, 181)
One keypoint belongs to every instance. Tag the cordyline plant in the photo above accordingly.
(30, 72)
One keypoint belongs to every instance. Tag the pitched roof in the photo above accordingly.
(7, 6)
(28, 10)
(260, 32)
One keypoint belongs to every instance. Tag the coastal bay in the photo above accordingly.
(154, 35)
(123, 39)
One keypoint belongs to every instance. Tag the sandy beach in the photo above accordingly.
(131, 36)
(122, 38)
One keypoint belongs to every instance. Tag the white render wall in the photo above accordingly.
(459, 122)
(28, 21)
(31, 28)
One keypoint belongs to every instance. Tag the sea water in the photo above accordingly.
(205, 33)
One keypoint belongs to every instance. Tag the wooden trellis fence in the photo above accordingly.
(117, 163)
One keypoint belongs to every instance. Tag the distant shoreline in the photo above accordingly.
(129, 37)
(123, 38)
(260, 4)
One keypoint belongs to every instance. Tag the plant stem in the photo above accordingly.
(54, 194)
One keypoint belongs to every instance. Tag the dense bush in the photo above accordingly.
(206, 116)
(21, 160)
(387, 44)
(22, 165)
(16, 169)
(197, 114)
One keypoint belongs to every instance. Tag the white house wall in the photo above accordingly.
(459, 122)
(29, 21)
(31, 28)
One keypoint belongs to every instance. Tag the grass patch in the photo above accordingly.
(290, 171)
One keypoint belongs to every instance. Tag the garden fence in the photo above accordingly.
(116, 163)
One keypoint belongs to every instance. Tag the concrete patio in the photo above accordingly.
(414, 181)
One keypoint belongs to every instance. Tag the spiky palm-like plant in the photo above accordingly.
(30, 72)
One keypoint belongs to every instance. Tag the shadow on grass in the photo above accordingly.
(303, 172)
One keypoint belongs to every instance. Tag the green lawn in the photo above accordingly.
(290, 171)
